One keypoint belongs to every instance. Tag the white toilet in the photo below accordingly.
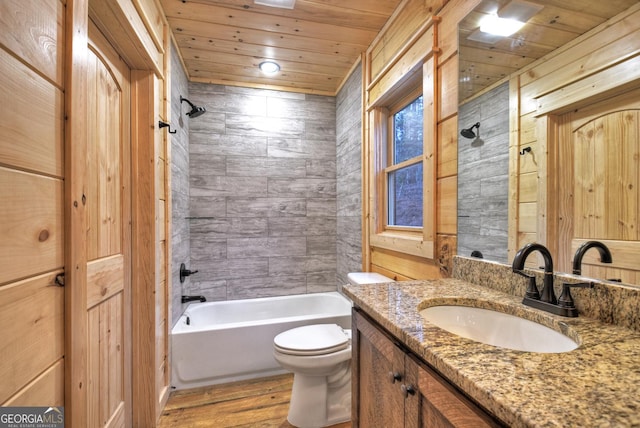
(320, 358)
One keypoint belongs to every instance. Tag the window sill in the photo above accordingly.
(408, 243)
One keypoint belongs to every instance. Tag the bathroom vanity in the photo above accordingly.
(408, 372)
(396, 389)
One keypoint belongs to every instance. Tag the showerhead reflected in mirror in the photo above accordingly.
(195, 110)
(468, 132)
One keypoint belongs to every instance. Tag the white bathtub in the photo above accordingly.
(218, 342)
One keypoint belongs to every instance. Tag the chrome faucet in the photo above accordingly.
(605, 255)
(548, 294)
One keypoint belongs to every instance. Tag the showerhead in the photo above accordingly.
(195, 110)
(468, 132)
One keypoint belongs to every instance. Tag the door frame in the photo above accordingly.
(143, 238)
(554, 212)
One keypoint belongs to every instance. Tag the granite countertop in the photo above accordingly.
(596, 385)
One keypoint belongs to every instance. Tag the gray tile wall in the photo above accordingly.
(349, 178)
(483, 176)
(262, 193)
(180, 245)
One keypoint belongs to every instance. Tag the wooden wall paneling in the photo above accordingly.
(448, 147)
(515, 192)
(448, 93)
(76, 132)
(447, 207)
(367, 163)
(34, 31)
(402, 266)
(453, 12)
(528, 187)
(31, 123)
(154, 21)
(544, 179)
(32, 225)
(614, 80)
(431, 103)
(402, 67)
(34, 308)
(409, 18)
(602, 47)
(45, 390)
(527, 218)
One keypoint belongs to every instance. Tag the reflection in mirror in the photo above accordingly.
(483, 175)
(484, 62)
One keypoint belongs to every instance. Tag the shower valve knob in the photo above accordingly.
(184, 272)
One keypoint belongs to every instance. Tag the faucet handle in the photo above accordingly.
(532, 289)
(566, 300)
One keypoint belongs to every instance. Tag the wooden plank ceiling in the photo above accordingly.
(316, 43)
(556, 24)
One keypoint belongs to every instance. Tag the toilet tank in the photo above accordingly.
(356, 278)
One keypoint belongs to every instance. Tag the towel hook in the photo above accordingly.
(162, 124)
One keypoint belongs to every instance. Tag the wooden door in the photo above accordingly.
(108, 238)
(599, 186)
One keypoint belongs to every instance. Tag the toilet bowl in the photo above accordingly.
(319, 356)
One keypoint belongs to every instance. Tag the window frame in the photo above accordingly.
(408, 240)
(390, 167)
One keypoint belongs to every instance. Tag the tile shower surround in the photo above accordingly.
(180, 245)
(262, 193)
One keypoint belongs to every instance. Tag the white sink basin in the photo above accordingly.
(498, 329)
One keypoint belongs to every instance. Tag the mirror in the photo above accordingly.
(485, 64)
(483, 175)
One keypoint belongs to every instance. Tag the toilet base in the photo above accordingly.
(320, 401)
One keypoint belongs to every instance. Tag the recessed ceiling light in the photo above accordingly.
(503, 27)
(269, 67)
(284, 4)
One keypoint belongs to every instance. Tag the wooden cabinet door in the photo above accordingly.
(599, 186)
(377, 398)
(434, 403)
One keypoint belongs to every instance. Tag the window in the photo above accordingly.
(401, 207)
(404, 175)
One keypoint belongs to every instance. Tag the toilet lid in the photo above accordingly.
(315, 339)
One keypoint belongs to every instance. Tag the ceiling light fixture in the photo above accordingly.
(497, 26)
(505, 22)
(269, 67)
(283, 4)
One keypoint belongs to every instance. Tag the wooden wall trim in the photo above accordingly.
(365, 170)
(405, 48)
(76, 134)
(514, 166)
(120, 22)
(144, 275)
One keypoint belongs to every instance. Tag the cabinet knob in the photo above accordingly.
(394, 376)
(407, 390)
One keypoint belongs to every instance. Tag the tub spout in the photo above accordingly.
(187, 299)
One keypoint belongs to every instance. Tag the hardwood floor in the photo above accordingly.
(253, 403)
